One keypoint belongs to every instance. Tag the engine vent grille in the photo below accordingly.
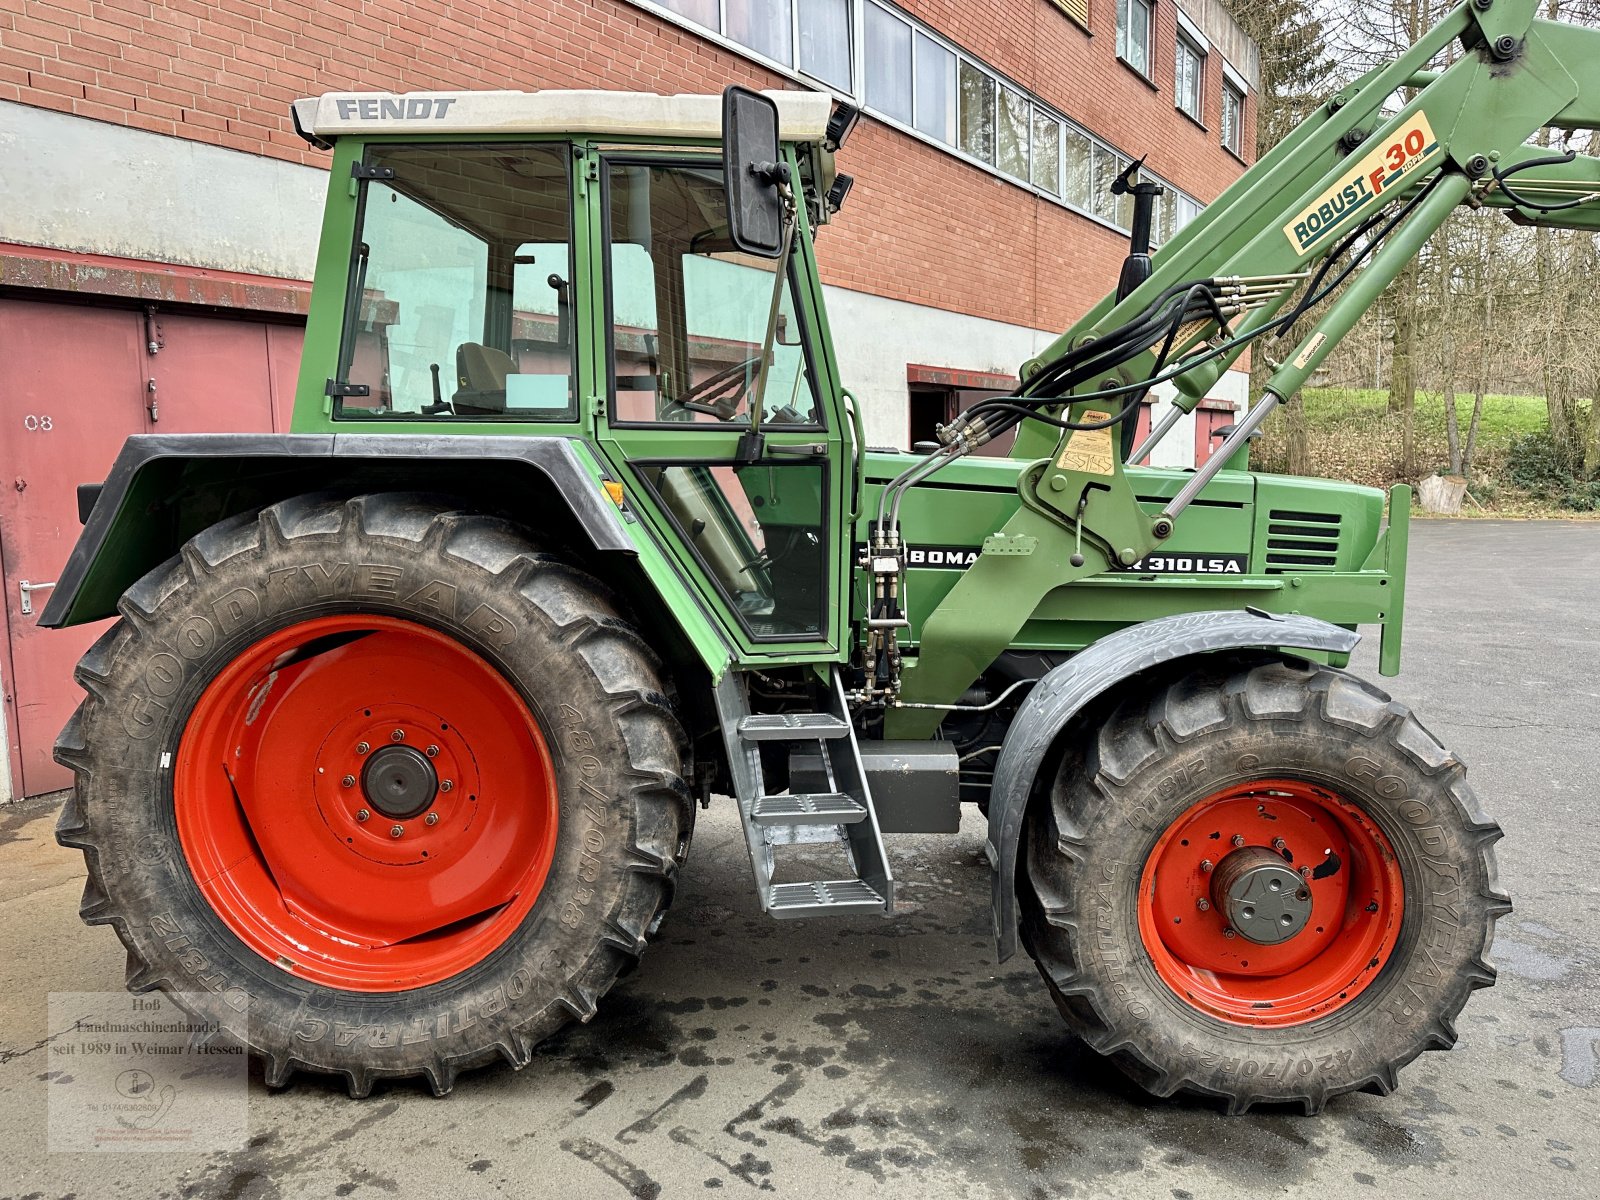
(1302, 541)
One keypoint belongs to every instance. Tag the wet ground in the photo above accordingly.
(893, 1057)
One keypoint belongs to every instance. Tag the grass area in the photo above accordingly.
(1504, 417)
(1353, 435)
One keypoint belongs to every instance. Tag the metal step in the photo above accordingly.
(829, 801)
(808, 808)
(823, 897)
(788, 727)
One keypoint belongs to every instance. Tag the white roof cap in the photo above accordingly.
(802, 116)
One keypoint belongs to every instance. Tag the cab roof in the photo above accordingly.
(802, 115)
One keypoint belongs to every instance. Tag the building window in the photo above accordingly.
(1232, 118)
(702, 12)
(1186, 77)
(1015, 115)
(977, 111)
(1078, 158)
(824, 27)
(888, 64)
(935, 74)
(763, 25)
(1105, 171)
(1046, 152)
(1133, 34)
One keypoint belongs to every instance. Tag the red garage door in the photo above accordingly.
(74, 382)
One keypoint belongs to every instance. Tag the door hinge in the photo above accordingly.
(338, 387)
(361, 170)
(588, 171)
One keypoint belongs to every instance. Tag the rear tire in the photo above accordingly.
(225, 842)
(1122, 912)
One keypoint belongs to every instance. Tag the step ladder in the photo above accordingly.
(828, 802)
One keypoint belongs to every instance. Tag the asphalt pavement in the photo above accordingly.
(893, 1057)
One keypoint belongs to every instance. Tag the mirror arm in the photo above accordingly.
(752, 442)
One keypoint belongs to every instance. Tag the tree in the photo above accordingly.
(1294, 77)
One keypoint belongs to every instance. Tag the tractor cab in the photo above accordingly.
(587, 265)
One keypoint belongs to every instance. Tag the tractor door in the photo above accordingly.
(756, 523)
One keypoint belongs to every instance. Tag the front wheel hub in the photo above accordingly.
(1249, 938)
(1260, 896)
(399, 782)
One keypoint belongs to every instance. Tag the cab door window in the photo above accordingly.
(688, 314)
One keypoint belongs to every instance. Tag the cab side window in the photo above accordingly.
(460, 297)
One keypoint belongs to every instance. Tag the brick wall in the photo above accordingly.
(921, 225)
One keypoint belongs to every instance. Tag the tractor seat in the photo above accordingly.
(481, 379)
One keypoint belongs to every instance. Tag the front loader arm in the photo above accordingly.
(1353, 159)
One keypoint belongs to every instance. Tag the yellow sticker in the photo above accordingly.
(1366, 185)
(1303, 359)
(1089, 451)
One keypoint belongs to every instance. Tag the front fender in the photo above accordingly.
(1063, 693)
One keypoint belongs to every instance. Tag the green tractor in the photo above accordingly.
(390, 765)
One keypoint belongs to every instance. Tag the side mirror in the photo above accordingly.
(752, 169)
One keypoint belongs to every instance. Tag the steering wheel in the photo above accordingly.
(721, 394)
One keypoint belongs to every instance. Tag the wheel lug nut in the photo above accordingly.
(1238, 840)
(348, 781)
(362, 814)
(1279, 845)
(396, 830)
(432, 818)
(431, 751)
(1228, 933)
(446, 784)
(1305, 873)
(1207, 865)
(1203, 904)
(399, 735)
(362, 747)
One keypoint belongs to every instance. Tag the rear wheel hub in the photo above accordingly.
(399, 781)
(366, 802)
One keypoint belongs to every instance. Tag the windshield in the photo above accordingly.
(461, 285)
(689, 314)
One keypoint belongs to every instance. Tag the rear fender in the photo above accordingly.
(1064, 692)
(163, 489)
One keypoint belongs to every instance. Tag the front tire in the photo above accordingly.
(376, 786)
(1263, 881)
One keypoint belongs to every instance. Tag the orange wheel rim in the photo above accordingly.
(366, 803)
(1230, 934)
